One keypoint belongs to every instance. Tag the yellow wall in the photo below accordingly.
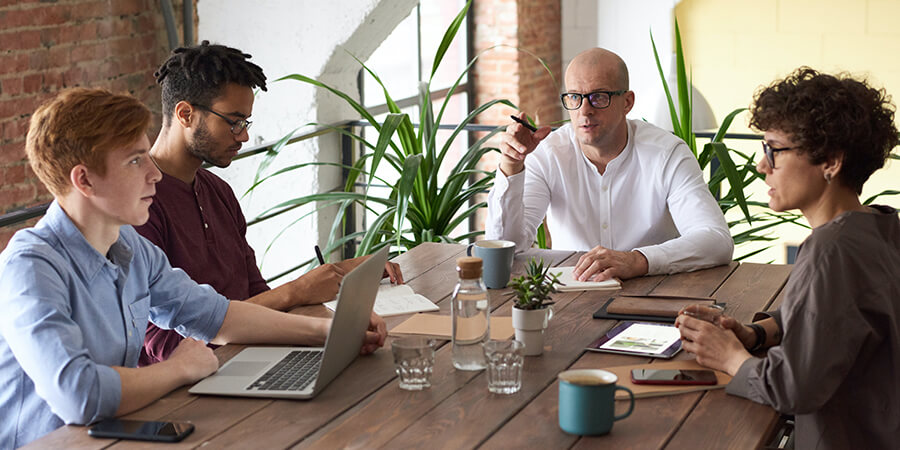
(735, 46)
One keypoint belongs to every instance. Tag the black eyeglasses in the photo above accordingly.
(597, 99)
(771, 151)
(237, 125)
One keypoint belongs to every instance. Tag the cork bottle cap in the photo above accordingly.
(469, 267)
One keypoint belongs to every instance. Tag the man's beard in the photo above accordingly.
(202, 146)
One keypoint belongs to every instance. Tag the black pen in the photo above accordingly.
(523, 123)
(319, 255)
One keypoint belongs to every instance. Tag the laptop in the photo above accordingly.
(303, 372)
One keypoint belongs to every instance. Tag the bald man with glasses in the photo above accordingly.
(628, 193)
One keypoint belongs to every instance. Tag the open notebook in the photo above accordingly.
(572, 285)
(394, 300)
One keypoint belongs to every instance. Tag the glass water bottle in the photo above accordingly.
(470, 310)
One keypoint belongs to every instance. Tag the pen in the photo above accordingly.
(319, 255)
(524, 123)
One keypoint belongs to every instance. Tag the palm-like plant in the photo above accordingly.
(739, 175)
(419, 207)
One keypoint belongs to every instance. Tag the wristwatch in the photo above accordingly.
(760, 337)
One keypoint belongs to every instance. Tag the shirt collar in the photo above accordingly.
(617, 161)
(86, 259)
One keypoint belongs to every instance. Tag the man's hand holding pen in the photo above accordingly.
(517, 142)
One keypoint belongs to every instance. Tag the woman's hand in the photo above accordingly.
(716, 347)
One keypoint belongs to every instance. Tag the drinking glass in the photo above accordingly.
(413, 361)
(504, 366)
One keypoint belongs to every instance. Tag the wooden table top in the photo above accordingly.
(364, 407)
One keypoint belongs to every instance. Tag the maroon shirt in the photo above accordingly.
(202, 230)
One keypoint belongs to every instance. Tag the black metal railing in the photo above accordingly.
(19, 216)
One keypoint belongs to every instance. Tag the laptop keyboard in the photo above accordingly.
(293, 373)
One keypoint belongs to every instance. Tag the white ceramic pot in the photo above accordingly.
(530, 325)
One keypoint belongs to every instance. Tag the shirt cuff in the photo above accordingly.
(214, 322)
(655, 259)
(110, 392)
(740, 384)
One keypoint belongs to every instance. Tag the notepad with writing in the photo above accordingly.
(567, 277)
(396, 299)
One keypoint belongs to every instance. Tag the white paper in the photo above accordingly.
(572, 285)
(644, 338)
(396, 299)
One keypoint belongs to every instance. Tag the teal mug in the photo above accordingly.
(587, 401)
(498, 260)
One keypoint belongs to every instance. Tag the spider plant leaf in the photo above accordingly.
(673, 113)
(731, 172)
(448, 37)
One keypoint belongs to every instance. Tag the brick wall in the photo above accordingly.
(532, 25)
(46, 46)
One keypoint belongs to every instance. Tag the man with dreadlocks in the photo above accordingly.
(207, 99)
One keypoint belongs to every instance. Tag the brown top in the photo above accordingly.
(838, 364)
(202, 230)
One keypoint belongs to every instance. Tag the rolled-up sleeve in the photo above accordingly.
(178, 302)
(49, 345)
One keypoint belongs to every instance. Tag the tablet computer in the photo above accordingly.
(656, 340)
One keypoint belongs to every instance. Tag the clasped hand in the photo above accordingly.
(601, 264)
(721, 347)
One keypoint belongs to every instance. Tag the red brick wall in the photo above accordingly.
(532, 25)
(46, 46)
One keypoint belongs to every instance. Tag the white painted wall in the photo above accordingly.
(307, 37)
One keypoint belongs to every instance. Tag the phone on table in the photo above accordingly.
(141, 430)
(673, 376)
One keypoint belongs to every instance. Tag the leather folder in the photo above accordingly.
(656, 308)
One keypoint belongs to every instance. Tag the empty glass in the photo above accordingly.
(504, 366)
(413, 361)
(710, 313)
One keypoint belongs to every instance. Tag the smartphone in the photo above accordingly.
(673, 376)
(141, 430)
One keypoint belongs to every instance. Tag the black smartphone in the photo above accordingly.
(141, 430)
(673, 376)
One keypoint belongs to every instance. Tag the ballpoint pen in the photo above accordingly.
(319, 255)
(523, 123)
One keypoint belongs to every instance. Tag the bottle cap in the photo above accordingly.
(469, 267)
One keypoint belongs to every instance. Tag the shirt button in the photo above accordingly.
(205, 225)
(605, 188)
(201, 208)
(605, 225)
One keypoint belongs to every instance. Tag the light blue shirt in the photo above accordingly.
(68, 313)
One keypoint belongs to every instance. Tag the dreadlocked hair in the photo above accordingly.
(198, 74)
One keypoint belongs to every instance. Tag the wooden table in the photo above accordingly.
(364, 408)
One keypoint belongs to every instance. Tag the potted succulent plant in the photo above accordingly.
(531, 311)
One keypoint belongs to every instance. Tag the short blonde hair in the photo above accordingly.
(81, 126)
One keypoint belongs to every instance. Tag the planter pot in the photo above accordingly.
(529, 325)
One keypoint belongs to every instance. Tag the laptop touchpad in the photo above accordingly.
(242, 369)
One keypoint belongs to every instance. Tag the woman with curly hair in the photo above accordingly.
(833, 356)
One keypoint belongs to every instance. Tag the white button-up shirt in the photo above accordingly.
(652, 198)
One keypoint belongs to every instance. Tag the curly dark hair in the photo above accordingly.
(830, 116)
(198, 74)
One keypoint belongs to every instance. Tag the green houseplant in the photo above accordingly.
(727, 166)
(531, 310)
(418, 207)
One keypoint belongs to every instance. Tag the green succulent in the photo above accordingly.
(533, 289)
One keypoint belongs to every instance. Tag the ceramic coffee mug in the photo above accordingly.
(498, 258)
(587, 401)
